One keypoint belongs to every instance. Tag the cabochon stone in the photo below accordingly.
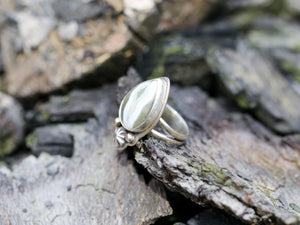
(140, 102)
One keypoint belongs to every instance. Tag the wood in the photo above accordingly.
(97, 185)
(229, 161)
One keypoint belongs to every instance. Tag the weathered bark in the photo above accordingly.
(97, 185)
(229, 160)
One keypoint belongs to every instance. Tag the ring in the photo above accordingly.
(142, 109)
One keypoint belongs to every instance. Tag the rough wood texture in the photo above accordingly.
(97, 185)
(229, 160)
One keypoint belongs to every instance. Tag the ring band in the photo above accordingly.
(145, 107)
(173, 124)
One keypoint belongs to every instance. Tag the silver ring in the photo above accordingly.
(144, 107)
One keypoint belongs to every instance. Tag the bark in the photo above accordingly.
(97, 185)
(229, 161)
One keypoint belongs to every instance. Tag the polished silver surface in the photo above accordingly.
(144, 104)
(142, 109)
(174, 124)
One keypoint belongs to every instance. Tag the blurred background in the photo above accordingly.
(51, 45)
(244, 51)
(247, 50)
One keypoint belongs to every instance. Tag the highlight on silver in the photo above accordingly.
(144, 107)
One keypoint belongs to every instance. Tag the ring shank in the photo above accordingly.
(174, 126)
(164, 137)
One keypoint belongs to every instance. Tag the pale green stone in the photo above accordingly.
(138, 103)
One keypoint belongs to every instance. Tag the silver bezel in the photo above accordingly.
(154, 115)
(156, 110)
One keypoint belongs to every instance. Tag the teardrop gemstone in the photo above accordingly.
(141, 107)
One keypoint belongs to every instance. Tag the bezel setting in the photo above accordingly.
(125, 136)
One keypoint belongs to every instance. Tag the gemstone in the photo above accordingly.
(141, 107)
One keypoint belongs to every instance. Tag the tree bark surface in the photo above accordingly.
(229, 160)
(97, 185)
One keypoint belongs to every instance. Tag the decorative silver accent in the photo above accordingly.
(142, 109)
(120, 134)
(129, 137)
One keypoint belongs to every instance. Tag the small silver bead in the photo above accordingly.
(117, 122)
(129, 137)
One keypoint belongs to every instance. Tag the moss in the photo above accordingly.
(159, 70)
(30, 140)
(267, 193)
(243, 102)
(292, 68)
(160, 52)
(277, 7)
(244, 19)
(46, 114)
(66, 98)
(7, 145)
(297, 78)
(297, 47)
(219, 176)
(177, 49)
